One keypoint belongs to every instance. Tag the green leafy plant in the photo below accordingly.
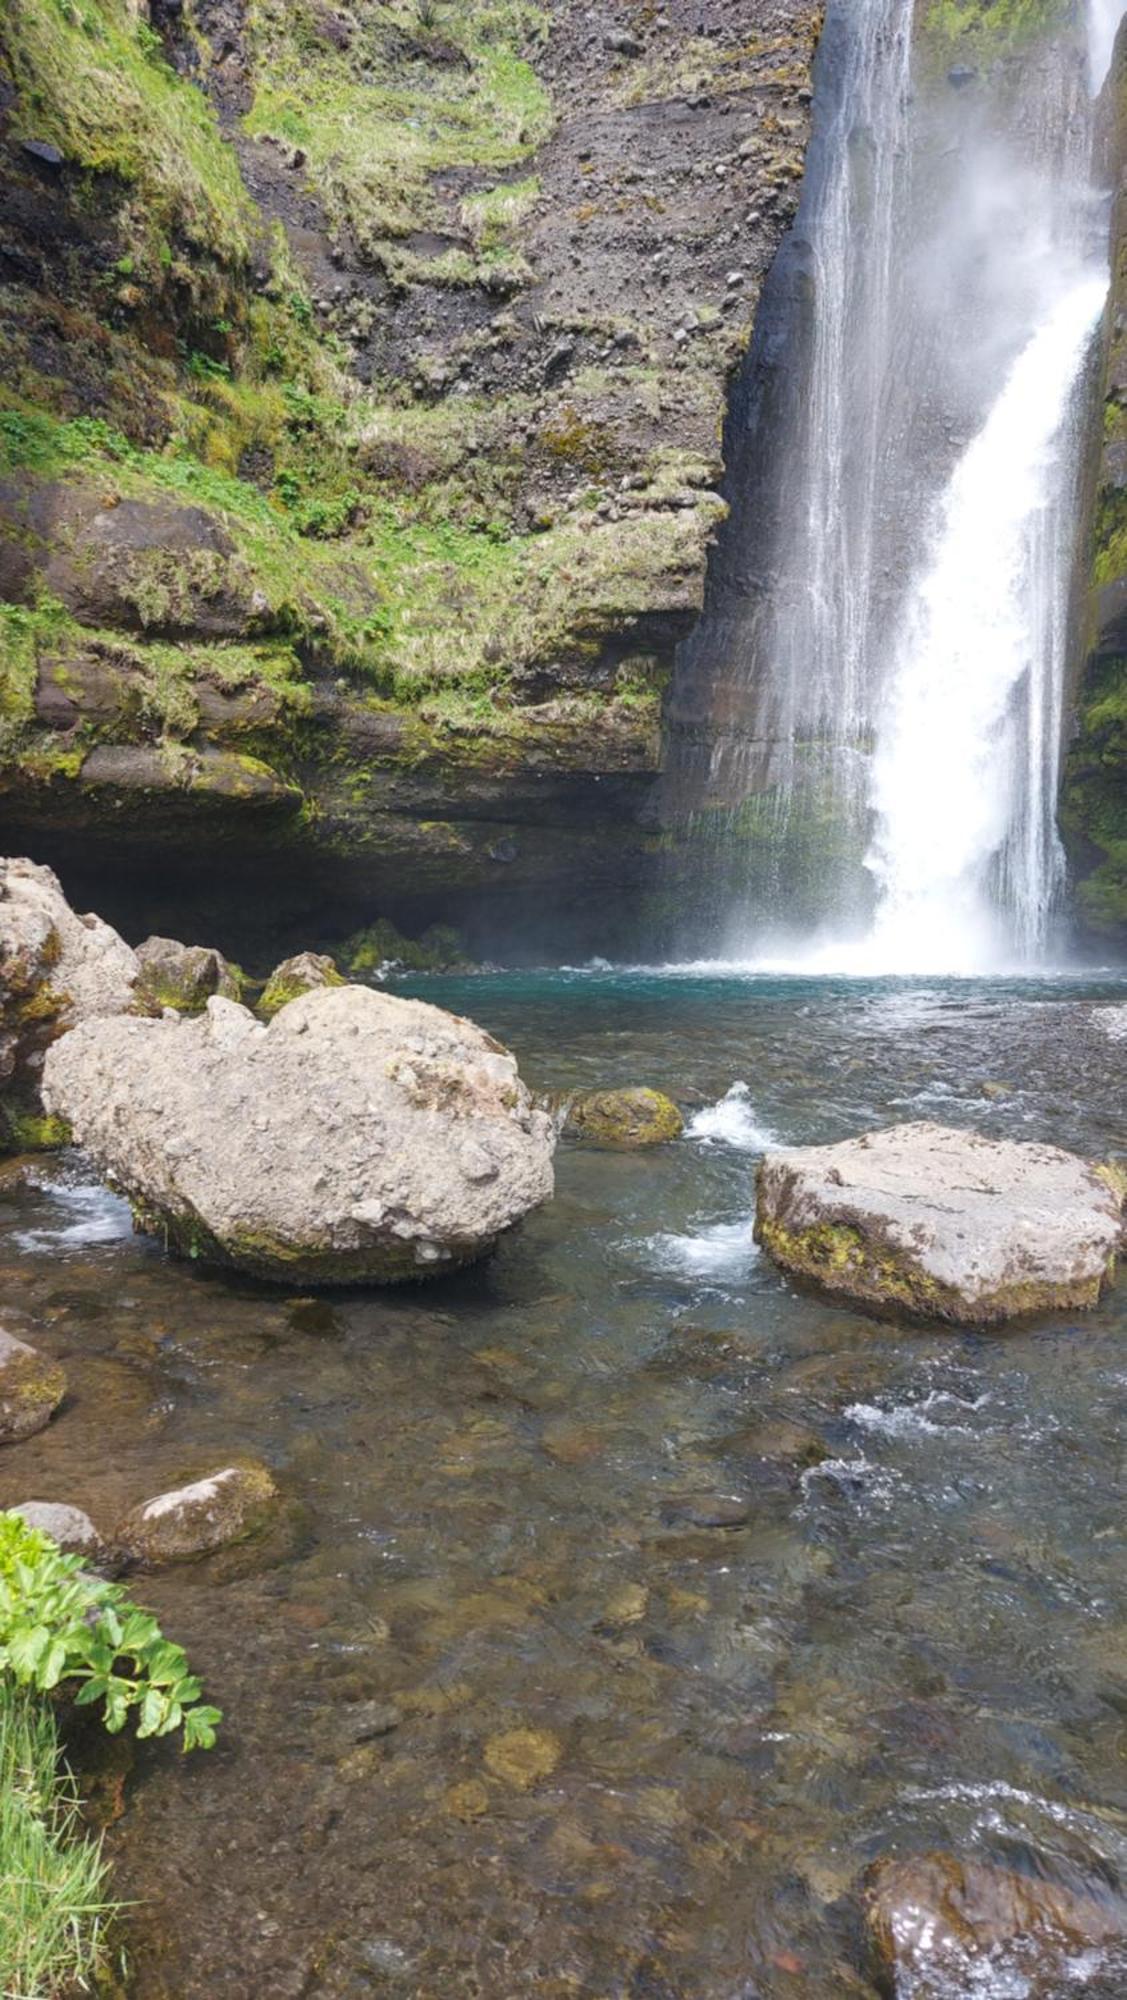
(58, 1623)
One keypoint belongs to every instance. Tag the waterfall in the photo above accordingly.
(885, 644)
(961, 778)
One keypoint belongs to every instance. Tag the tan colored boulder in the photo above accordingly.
(211, 1513)
(624, 1120)
(358, 1138)
(31, 1389)
(56, 968)
(941, 1224)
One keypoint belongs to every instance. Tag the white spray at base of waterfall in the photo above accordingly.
(973, 647)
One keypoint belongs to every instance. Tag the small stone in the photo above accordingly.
(468, 1800)
(522, 1756)
(366, 1720)
(224, 1507)
(624, 44)
(627, 1605)
(73, 1530)
(43, 151)
(31, 1389)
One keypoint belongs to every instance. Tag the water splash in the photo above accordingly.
(731, 1121)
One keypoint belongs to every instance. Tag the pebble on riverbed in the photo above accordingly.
(31, 1389)
(224, 1507)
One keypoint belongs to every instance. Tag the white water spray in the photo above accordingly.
(965, 772)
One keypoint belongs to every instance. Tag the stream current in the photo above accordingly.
(774, 1587)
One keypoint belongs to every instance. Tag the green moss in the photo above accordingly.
(624, 1120)
(400, 105)
(989, 28)
(380, 945)
(92, 80)
(26, 1131)
(1094, 797)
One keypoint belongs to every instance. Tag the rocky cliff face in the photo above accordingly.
(360, 428)
(1094, 801)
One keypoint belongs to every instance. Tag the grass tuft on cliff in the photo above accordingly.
(92, 80)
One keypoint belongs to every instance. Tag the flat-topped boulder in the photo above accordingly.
(357, 1138)
(941, 1224)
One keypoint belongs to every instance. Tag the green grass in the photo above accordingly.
(53, 1909)
(985, 28)
(91, 78)
(378, 121)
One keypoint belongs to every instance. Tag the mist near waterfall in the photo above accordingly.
(890, 627)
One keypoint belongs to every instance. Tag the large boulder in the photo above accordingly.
(941, 1224)
(941, 1925)
(31, 1388)
(56, 968)
(359, 1137)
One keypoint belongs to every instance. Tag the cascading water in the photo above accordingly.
(888, 622)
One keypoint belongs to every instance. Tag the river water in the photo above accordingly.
(775, 1588)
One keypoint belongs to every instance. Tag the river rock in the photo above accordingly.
(358, 1138)
(73, 1530)
(183, 976)
(301, 974)
(56, 968)
(223, 1507)
(31, 1389)
(626, 1119)
(940, 1223)
(942, 1926)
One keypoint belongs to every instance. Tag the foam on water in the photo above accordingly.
(722, 1251)
(88, 1214)
(731, 1121)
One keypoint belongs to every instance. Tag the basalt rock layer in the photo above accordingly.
(360, 440)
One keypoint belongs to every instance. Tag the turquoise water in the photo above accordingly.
(776, 1588)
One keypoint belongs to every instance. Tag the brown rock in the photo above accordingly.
(31, 1389)
(223, 1507)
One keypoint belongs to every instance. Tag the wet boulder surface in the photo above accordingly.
(625, 1120)
(31, 1388)
(941, 1224)
(943, 1926)
(358, 1138)
(222, 1508)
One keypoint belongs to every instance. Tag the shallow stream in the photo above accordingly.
(773, 1587)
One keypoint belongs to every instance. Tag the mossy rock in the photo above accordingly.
(624, 1119)
(182, 976)
(295, 976)
(211, 1513)
(31, 1389)
(380, 947)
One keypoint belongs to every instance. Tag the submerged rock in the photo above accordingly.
(301, 974)
(56, 968)
(183, 976)
(31, 1389)
(940, 1223)
(73, 1530)
(941, 1925)
(624, 1118)
(224, 1507)
(358, 1138)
